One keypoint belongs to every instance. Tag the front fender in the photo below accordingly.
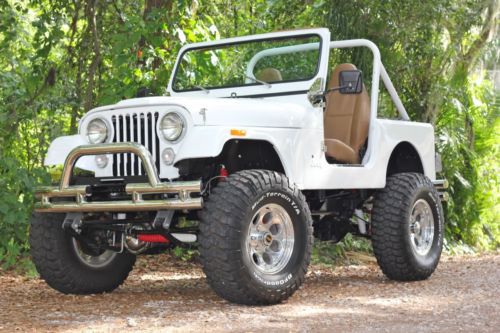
(61, 147)
(208, 141)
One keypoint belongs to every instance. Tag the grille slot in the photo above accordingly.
(139, 128)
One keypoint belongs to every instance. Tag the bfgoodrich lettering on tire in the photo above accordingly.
(256, 238)
(407, 226)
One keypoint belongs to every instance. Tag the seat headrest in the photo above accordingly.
(269, 75)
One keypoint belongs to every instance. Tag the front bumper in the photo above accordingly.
(73, 198)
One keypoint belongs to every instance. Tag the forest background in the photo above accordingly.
(60, 58)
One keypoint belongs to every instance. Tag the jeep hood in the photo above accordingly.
(207, 111)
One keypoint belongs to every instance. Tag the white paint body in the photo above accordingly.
(290, 123)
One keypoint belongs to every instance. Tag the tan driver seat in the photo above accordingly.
(269, 75)
(346, 120)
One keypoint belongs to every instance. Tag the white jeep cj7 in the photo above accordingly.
(263, 143)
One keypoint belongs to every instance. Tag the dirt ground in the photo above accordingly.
(463, 295)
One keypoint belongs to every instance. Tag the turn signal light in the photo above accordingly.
(238, 132)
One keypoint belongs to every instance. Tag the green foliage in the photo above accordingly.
(58, 59)
(468, 132)
(327, 253)
(457, 247)
(15, 208)
(185, 254)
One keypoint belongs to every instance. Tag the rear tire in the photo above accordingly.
(61, 262)
(407, 227)
(255, 238)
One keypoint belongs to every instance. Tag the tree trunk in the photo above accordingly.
(465, 62)
(157, 4)
(91, 13)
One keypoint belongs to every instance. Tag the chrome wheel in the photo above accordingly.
(270, 239)
(99, 261)
(421, 227)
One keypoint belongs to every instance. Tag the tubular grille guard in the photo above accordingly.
(137, 190)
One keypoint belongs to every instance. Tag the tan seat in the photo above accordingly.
(346, 120)
(269, 75)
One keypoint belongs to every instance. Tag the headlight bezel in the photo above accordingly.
(183, 126)
(106, 127)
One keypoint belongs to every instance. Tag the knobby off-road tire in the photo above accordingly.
(60, 264)
(255, 238)
(407, 227)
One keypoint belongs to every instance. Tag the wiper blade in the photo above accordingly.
(204, 89)
(259, 81)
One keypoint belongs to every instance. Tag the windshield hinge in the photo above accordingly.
(323, 146)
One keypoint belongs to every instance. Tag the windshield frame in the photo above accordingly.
(223, 45)
(249, 88)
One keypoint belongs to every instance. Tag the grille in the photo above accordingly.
(139, 128)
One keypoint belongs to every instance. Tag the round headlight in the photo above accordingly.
(97, 131)
(171, 126)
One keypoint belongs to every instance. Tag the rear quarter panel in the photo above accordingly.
(319, 174)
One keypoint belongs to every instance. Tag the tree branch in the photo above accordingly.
(488, 30)
(96, 44)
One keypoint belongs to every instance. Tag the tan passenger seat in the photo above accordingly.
(269, 75)
(346, 120)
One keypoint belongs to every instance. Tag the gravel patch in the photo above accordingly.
(163, 294)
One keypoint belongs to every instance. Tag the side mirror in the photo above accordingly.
(315, 94)
(351, 82)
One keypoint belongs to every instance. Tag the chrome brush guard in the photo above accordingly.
(76, 195)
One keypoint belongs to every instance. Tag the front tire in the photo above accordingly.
(255, 238)
(407, 227)
(63, 263)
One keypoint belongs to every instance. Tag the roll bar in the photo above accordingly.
(379, 70)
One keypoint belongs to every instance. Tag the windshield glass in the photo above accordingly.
(256, 62)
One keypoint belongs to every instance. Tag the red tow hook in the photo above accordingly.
(152, 238)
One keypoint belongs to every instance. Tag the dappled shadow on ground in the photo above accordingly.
(166, 294)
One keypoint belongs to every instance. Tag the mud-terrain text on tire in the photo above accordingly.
(256, 238)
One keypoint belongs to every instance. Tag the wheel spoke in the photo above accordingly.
(270, 238)
(421, 227)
